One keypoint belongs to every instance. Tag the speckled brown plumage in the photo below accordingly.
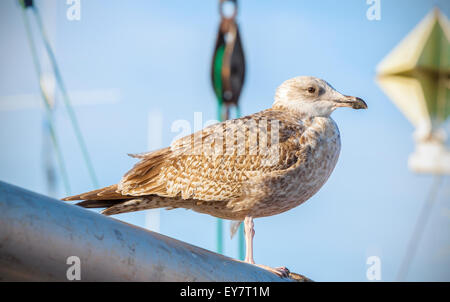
(226, 184)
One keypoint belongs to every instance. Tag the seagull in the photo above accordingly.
(255, 166)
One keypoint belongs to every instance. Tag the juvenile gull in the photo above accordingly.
(255, 166)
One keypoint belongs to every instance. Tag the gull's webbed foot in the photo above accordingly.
(282, 272)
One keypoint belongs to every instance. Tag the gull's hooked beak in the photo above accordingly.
(351, 101)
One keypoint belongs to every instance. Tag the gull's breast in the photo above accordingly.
(318, 154)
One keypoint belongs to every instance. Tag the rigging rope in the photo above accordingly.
(419, 228)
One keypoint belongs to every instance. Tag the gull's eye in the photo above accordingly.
(311, 89)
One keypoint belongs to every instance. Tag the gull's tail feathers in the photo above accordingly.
(105, 193)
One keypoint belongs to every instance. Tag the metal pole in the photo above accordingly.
(38, 234)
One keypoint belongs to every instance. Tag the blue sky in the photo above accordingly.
(157, 55)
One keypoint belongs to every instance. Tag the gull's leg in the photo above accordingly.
(249, 234)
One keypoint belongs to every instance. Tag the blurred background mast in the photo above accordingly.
(47, 87)
(28, 5)
(416, 76)
(227, 75)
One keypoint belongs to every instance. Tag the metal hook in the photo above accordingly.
(222, 12)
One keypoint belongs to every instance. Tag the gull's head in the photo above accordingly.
(310, 96)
